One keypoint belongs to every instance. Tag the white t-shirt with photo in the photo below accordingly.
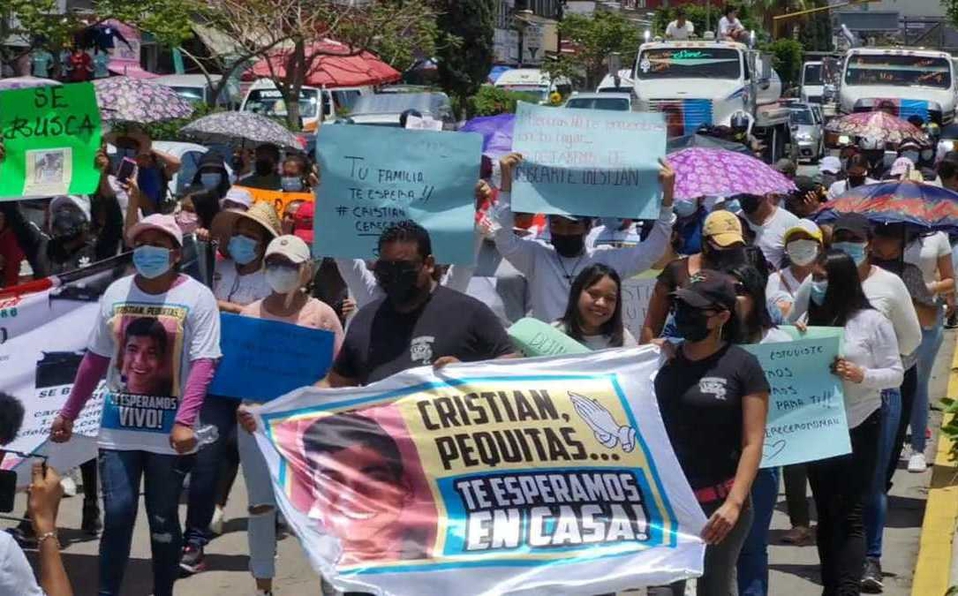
(151, 341)
(770, 237)
(673, 31)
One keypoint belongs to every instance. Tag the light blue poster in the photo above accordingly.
(806, 410)
(588, 162)
(372, 177)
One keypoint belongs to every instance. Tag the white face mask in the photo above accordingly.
(282, 280)
(802, 252)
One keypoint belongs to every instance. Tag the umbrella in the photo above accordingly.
(913, 203)
(136, 100)
(496, 133)
(701, 172)
(334, 65)
(234, 128)
(877, 125)
(25, 83)
(496, 72)
(698, 140)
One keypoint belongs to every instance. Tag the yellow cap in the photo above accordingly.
(723, 228)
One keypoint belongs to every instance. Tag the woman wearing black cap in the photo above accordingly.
(713, 396)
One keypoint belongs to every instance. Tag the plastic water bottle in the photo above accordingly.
(206, 435)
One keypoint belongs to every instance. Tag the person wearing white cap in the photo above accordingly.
(288, 271)
(829, 170)
(156, 328)
(238, 199)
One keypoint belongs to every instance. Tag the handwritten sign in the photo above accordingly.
(279, 199)
(588, 162)
(265, 359)
(806, 410)
(533, 338)
(51, 136)
(636, 294)
(373, 177)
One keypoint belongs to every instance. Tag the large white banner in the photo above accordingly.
(538, 476)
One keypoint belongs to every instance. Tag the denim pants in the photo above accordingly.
(753, 560)
(221, 413)
(931, 340)
(261, 529)
(120, 476)
(876, 501)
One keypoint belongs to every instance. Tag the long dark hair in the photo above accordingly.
(844, 296)
(587, 278)
(757, 322)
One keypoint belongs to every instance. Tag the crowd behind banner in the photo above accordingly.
(747, 344)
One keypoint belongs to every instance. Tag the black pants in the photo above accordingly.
(839, 486)
(909, 387)
(796, 499)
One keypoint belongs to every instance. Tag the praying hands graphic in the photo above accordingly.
(607, 431)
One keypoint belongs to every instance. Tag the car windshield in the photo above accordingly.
(898, 71)
(813, 74)
(345, 99)
(269, 102)
(194, 94)
(619, 104)
(689, 63)
(801, 116)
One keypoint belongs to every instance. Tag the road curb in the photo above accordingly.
(934, 567)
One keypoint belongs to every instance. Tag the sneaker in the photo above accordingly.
(917, 463)
(872, 577)
(263, 593)
(952, 322)
(798, 536)
(219, 518)
(69, 486)
(192, 560)
(91, 524)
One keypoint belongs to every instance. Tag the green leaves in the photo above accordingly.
(464, 45)
(595, 38)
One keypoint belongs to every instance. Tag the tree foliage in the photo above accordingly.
(465, 45)
(490, 101)
(787, 57)
(595, 38)
(816, 30)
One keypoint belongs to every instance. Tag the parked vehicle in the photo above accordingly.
(620, 82)
(619, 102)
(386, 109)
(265, 98)
(198, 89)
(807, 130)
(534, 81)
(905, 82)
(813, 85)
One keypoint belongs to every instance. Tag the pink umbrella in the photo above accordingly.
(702, 172)
(334, 65)
(876, 125)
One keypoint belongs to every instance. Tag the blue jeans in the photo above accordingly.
(931, 340)
(876, 499)
(753, 560)
(120, 475)
(221, 413)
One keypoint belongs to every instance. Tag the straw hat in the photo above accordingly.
(262, 213)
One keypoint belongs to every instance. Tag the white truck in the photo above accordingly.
(707, 82)
(907, 82)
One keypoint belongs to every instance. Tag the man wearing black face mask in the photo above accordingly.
(265, 175)
(418, 322)
(769, 223)
(551, 269)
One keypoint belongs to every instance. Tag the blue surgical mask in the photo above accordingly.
(819, 289)
(685, 208)
(242, 249)
(151, 261)
(914, 156)
(856, 250)
(211, 180)
(292, 183)
(733, 206)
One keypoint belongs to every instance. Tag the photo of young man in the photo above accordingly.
(144, 361)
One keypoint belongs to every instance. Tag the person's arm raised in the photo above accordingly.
(43, 504)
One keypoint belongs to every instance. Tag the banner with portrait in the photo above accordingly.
(536, 476)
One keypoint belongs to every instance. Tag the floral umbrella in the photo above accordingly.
(701, 172)
(26, 82)
(237, 128)
(876, 125)
(125, 99)
(917, 204)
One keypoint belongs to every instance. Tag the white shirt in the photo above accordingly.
(726, 26)
(839, 187)
(775, 336)
(550, 276)
(869, 342)
(603, 235)
(925, 251)
(770, 236)
(600, 342)
(16, 575)
(143, 395)
(230, 286)
(673, 31)
(781, 288)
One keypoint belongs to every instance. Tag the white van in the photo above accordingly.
(813, 85)
(534, 81)
(265, 98)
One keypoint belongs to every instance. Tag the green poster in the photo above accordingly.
(51, 136)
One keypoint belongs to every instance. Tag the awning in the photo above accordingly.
(125, 57)
(337, 66)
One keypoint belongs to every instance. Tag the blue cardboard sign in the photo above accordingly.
(588, 162)
(264, 359)
(372, 177)
(806, 409)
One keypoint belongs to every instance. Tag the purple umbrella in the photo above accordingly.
(126, 99)
(26, 82)
(496, 133)
(701, 172)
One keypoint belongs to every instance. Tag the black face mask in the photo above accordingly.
(568, 246)
(398, 280)
(265, 167)
(854, 181)
(724, 259)
(691, 323)
(750, 203)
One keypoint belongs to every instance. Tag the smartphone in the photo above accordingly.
(126, 169)
(8, 490)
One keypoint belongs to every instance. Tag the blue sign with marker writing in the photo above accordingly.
(372, 177)
(265, 359)
(806, 409)
(588, 162)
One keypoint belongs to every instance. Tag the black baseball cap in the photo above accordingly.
(856, 223)
(708, 289)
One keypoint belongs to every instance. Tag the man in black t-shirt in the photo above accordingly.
(419, 322)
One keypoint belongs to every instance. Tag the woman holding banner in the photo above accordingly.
(870, 363)
(289, 272)
(594, 314)
(713, 397)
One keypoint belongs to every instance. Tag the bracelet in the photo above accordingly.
(47, 536)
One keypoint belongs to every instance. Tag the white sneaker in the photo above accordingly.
(69, 486)
(917, 463)
(216, 525)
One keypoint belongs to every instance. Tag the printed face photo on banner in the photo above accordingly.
(147, 359)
